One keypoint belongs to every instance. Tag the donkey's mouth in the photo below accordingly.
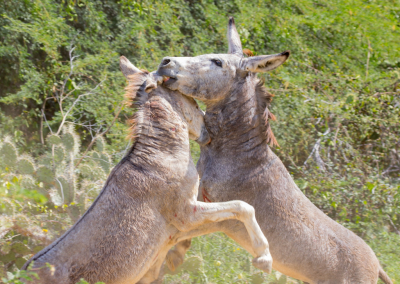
(168, 81)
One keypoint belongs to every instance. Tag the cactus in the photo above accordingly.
(19, 262)
(70, 139)
(86, 171)
(58, 161)
(100, 144)
(66, 189)
(7, 258)
(8, 153)
(59, 154)
(5, 248)
(38, 173)
(45, 174)
(45, 160)
(95, 156)
(20, 248)
(55, 197)
(105, 162)
(90, 188)
(53, 139)
(26, 165)
(101, 159)
(28, 182)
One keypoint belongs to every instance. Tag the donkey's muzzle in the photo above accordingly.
(204, 138)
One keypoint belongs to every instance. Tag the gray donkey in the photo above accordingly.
(149, 200)
(238, 165)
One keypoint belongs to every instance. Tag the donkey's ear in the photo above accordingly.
(127, 67)
(264, 63)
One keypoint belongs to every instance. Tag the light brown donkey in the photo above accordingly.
(238, 165)
(148, 201)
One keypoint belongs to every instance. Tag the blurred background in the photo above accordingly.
(63, 120)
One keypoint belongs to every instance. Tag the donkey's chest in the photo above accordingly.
(181, 185)
(221, 179)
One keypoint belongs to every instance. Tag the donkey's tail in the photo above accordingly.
(384, 277)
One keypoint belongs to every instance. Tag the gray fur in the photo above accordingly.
(149, 200)
(239, 165)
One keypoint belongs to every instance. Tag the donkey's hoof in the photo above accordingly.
(263, 262)
(174, 259)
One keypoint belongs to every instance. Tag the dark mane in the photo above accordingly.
(264, 99)
(135, 97)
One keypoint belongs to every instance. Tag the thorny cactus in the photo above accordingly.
(55, 170)
(54, 175)
(26, 165)
(8, 153)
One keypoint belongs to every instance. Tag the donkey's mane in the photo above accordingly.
(264, 99)
(135, 97)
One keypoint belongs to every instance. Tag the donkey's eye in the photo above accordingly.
(217, 62)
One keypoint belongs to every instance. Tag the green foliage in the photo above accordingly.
(15, 278)
(218, 259)
(82, 281)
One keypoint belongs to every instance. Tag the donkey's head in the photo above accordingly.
(143, 85)
(211, 77)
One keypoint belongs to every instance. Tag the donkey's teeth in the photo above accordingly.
(166, 79)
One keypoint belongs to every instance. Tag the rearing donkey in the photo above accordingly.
(238, 165)
(148, 201)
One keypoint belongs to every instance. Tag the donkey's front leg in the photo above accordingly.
(198, 213)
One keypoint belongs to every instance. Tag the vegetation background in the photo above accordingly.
(63, 122)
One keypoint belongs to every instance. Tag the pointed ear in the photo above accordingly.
(234, 43)
(127, 67)
(264, 63)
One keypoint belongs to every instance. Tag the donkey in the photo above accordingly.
(149, 200)
(238, 164)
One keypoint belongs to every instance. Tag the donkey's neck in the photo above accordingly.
(236, 124)
(161, 138)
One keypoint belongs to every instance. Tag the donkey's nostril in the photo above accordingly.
(165, 61)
